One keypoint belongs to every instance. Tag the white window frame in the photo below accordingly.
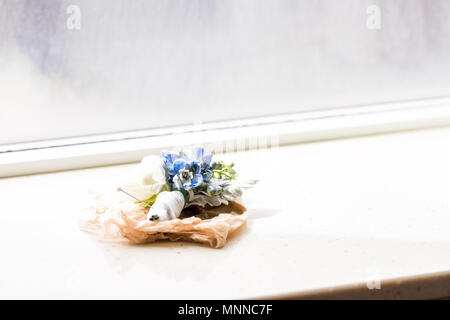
(121, 148)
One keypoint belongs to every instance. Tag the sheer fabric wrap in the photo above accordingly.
(115, 219)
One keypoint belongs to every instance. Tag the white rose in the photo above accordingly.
(151, 177)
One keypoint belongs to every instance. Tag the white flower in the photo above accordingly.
(151, 178)
(152, 174)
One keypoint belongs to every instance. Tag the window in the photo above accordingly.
(83, 68)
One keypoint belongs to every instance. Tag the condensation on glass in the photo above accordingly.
(146, 64)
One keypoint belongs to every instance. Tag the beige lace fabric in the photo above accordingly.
(125, 220)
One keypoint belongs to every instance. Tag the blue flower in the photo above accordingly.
(204, 159)
(169, 158)
(185, 171)
(199, 155)
(186, 174)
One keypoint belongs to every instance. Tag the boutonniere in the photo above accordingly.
(178, 196)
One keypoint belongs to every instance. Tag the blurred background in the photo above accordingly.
(143, 64)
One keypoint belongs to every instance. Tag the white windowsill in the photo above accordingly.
(130, 147)
(325, 216)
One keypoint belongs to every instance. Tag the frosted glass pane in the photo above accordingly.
(152, 63)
